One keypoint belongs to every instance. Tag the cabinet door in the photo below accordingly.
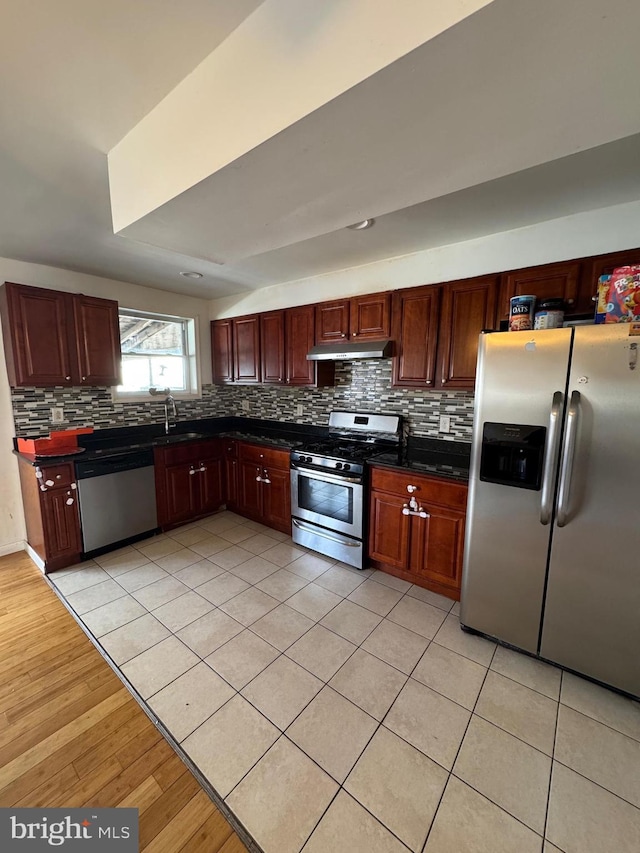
(439, 544)
(468, 307)
(415, 330)
(593, 268)
(332, 321)
(181, 496)
(210, 483)
(249, 489)
(299, 337)
(277, 499)
(370, 316)
(546, 282)
(222, 351)
(97, 334)
(272, 347)
(37, 336)
(246, 349)
(389, 530)
(231, 483)
(61, 524)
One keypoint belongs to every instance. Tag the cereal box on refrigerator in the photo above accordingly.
(623, 303)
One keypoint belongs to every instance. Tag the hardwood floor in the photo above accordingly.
(72, 735)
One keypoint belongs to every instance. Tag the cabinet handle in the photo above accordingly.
(412, 489)
(412, 508)
(58, 476)
(73, 486)
(69, 500)
(343, 335)
(43, 488)
(202, 469)
(68, 378)
(84, 378)
(192, 471)
(265, 477)
(258, 479)
(49, 483)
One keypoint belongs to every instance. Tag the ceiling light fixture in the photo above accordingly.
(191, 274)
(360, 226)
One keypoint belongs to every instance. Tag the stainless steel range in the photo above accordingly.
(328, 480)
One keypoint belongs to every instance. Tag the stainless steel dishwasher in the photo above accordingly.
(117, 498)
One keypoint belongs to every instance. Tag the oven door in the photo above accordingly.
(333, 502)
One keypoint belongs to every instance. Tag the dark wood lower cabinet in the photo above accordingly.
(51, 513)
(264, 485)
(424, 550)
(189, 481)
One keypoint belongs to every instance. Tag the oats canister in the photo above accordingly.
(521, 313)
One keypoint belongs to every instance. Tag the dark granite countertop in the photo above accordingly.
(107, 443)
(430, 456)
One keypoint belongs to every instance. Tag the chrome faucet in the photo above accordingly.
(169, 401)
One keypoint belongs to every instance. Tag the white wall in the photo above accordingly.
(595, 232)
(310, 52)
(12, 529)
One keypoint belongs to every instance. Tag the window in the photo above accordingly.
(157, 351)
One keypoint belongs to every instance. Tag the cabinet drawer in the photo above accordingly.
(191, 451)
(428, 489)
(60, 475)
(261, 455)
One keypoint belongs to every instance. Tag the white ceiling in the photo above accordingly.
(520, 113)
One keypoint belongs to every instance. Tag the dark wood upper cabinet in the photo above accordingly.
(593, 268)
(36, 336)
(332, 321)
(272, 347)
(468, 307)
(97, 335)
(354, 319)
(415, 314)
(222, 351)
(246, 349)
(546, 282)
(299, 337)
(54, 338)
(370, 316)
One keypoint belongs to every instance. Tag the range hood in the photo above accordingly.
(350, 351)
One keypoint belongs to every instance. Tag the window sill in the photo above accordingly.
(147, 398)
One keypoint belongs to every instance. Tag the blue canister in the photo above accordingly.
(521, 313)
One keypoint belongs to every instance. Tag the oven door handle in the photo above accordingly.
(316, 532)
(326, 478)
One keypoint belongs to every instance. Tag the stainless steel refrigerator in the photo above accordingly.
(552, 550)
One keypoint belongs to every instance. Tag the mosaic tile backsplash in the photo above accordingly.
(360, 386)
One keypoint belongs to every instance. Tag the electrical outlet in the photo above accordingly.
(245, 405)
(445, 423)
(57, 415)
(299, 410)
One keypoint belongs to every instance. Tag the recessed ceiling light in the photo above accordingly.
(191, 274)
(360, 226)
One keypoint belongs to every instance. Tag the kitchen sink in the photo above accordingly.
(177, 437)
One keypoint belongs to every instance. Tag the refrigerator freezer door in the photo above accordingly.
(592, 611)
(522, 379)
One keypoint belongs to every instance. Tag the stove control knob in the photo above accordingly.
(339, 465)
(346, 466)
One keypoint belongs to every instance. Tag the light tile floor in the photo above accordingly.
(337, 710)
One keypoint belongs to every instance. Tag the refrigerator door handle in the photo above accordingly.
(568, 453)
(550, 462)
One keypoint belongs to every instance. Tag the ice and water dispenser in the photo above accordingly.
(512, 455)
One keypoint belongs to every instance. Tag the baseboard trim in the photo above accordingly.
(12, 548)
(37, 559)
